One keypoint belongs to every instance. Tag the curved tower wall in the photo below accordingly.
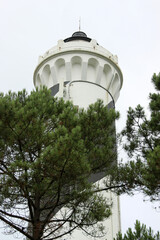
(82, 71)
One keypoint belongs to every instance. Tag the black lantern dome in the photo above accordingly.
(78, 36)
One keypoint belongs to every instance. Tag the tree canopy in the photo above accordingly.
(141, 232)
(142, 143)
(48, 151)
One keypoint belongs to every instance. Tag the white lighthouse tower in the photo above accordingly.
(80, 70)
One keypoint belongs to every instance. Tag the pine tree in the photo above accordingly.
(140, 233)
(48, 151)
(142, 143)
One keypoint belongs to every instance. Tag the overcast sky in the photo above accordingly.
(127, 28)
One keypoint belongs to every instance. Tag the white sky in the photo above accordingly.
(127, 28)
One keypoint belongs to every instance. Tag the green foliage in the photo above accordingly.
(48, 150)
(142, 143)
(140, 233)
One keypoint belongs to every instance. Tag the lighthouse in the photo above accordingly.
(80, 70)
